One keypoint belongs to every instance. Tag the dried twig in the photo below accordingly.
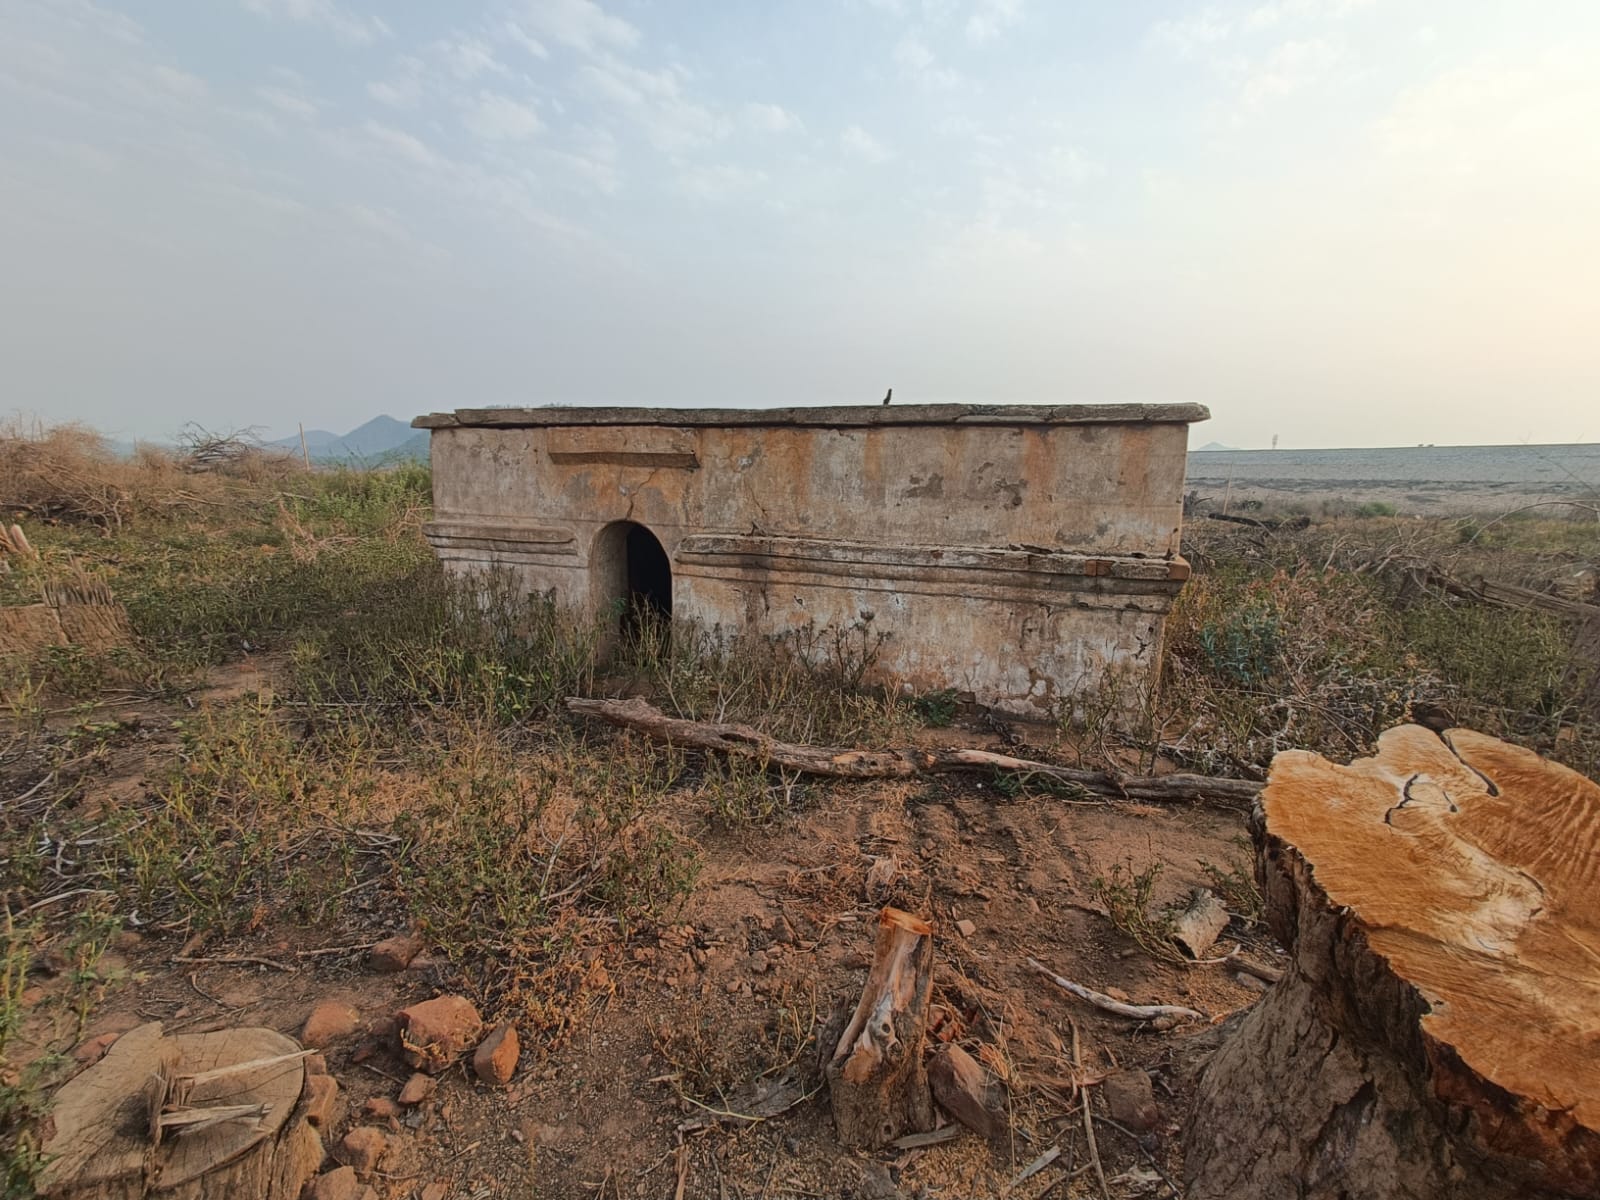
(1088, 1117)
(1160, 1016)
(234, 960)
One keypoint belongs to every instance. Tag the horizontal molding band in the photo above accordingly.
(832, 557)
(1106, 595)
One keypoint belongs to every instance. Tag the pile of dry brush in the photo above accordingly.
(69, 472)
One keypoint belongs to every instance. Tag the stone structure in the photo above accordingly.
(1016, 553)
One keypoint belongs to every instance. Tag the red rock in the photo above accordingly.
(329, 1021)
(436, 1032)
(417, 1089)
(963, 1089)
(966, 928)
(381, 1107)
(362, 1149)
(496, 1059)
(316, 1064)
(31, 997)
(395, 953)
(1130, 1100)
(321, 1096)
(338, 1184)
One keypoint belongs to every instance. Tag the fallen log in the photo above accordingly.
(877, 1081)
(1437, 1032)
(899, 763)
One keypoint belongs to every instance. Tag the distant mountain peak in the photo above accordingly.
(382, 437)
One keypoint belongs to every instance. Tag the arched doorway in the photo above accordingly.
(633, 579)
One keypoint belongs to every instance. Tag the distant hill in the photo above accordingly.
(382, 439)
(1207, 446)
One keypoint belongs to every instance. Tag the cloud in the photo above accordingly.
(527, 41)
(656, 102)
(1275, 12)
(325, 14)
(581, 24)
(469, 57)
(404, 89)
(917, 62)
(499, 118)
(771, 118)
(403, 144)
(1195, 35)
(179, 83)
(1289, 68)
(991, 19)
(291, 103)
(858, 143)
(719, 182)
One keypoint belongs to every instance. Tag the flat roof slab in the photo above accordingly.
(854, 416)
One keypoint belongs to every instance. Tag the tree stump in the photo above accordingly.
(1438, 1033)
(103, 1147)
(876, 1079)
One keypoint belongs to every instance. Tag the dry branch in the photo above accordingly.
(899, 763)
(1160, 1016)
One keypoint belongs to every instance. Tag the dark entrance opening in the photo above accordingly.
(648, 584)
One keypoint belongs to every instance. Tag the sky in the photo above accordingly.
(1340, 222)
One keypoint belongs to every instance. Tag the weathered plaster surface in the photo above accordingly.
(1019, 553)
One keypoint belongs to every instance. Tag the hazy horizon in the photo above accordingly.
(1347, 223)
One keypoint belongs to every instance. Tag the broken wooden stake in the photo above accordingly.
(743, 741)
(876, 1078)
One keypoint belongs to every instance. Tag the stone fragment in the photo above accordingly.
(964, 1089)
(496, 1059)
(321, 1094)
(329, 1021)
(362, 1149)
(436, 1032)
(381, 1107)
(966, 928)
(1130, 1100)
(338, 1184)
(395, 953)
(418, 1088)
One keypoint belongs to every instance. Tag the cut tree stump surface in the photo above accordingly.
(1442, 905)
(100, 1136)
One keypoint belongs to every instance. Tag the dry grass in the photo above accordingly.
(70, 473)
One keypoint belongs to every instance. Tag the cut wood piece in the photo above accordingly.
(965, 1090)
(1438, 1029)
(742, 741)
(238, 1131)
(876, 1078)
(1197, 927)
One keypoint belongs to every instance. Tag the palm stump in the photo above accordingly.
(1438, 1033)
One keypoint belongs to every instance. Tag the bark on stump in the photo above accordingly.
(1439, 1029)
(876, 1079)
(101, 1141)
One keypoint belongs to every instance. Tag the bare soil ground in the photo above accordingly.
(741, 982)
